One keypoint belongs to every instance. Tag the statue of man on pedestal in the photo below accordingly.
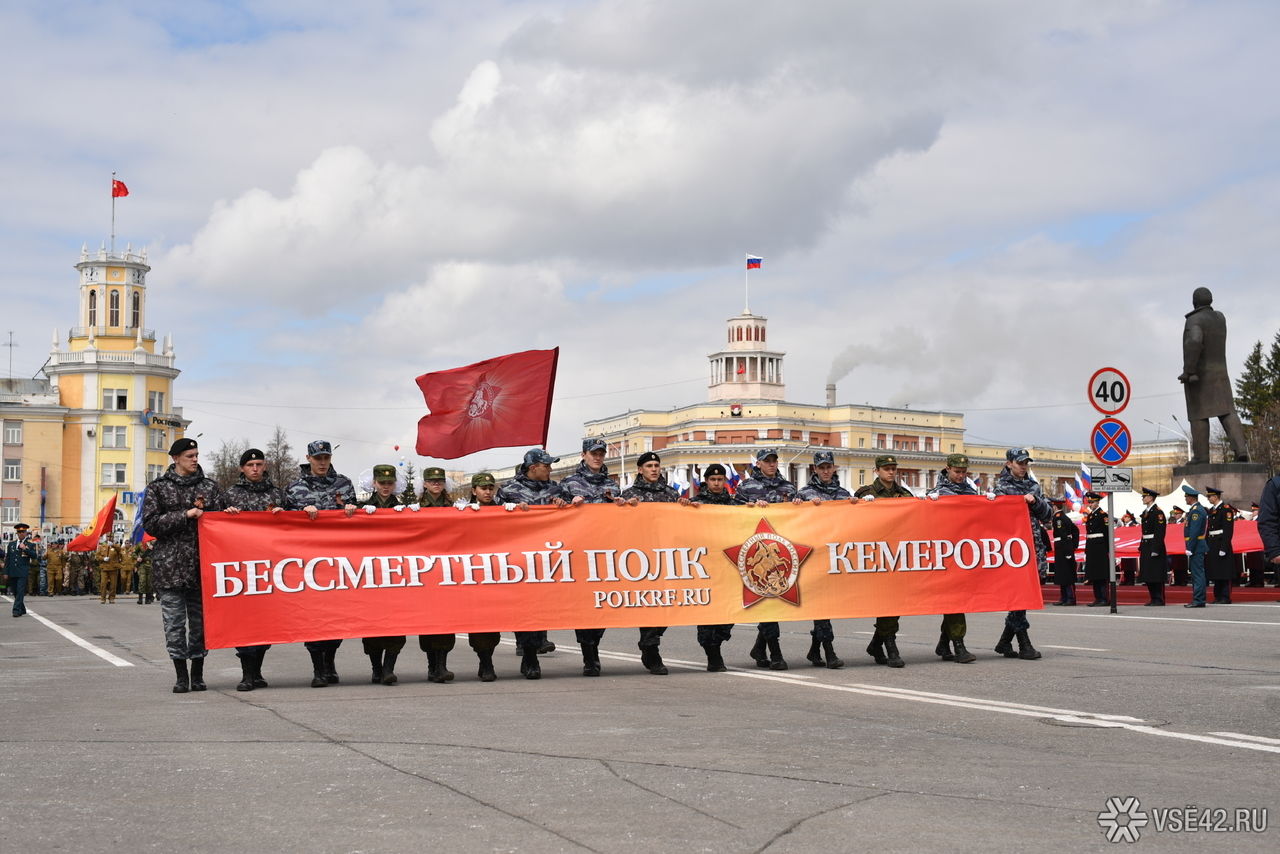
(1204, 377)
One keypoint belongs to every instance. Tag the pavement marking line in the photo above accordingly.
(1095, 719)
(1080, 648)
(77, 640)
(1258, 738)
(1165, 619)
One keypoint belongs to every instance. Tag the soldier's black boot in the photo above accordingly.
(375, 660)
(317, 667)
(547, 647)
(963, 656)
(485, 672)
(1005, 646)
(833, 660)
(652, 660)
(814, 655)
(590, 659)
(330, 667)
(529, 667)
(758, 652)
(389, 668)
(258, 681)
(715, 661)
(776, 661)
(139, 598)
(442, 659)
(197, 675)
(246, 672)
(433, 666)
(891, 653)
(183, 685)
(1025, 649)
(875, 649)
(148, 600)
(943, 649)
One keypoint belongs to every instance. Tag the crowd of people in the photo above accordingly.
(175, 501)
(115, 568)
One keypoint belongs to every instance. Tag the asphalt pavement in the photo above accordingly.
(1167, 716)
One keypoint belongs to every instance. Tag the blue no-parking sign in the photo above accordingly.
(1111, 441)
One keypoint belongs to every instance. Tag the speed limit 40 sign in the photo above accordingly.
(1109, 391)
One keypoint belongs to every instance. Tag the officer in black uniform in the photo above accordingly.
(1066, 537)
(1220, 559)
(1153, 560)
(715, 490)
(1097, 551)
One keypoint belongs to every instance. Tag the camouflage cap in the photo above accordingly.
(1018, 455)
(384, 472)
(433, 473)
(821, 457)
(319, 448)
(595, 444)
(957, 461)
(886, 460)
(535, 456)
(483, 479)
(765, 453)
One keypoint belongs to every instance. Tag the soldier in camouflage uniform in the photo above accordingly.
(590, 484)
(954, 480)
(383, 651)
(483, 490)
(437, 647)
(321, 488)
(145, 588)
(108, 557)
(764, 486)
(649, 487)
(253, 492)
(1016, 479)
(533, 486)
(714, 490)
(172, 505)
(56, 563)
(824, 485)
(884, 641)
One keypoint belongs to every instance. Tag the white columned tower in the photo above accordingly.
(746, 369)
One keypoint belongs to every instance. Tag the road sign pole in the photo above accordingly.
(1111, 545)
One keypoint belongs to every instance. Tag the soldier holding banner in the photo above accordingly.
(252, 492)
(590, 484)
(823, 486)
(884, 641)
(715, 491)
(954, 480)
(483, 491)
(764, 486)
(1016, 479)
(321, 488)
(383, 651)
(437, 647)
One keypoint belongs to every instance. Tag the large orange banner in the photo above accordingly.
(277, 578)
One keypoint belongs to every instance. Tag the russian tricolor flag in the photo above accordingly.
(753, 263)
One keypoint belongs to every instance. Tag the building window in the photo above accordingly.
(881, 441)
(93, 308)
(862, 477)
(13, 470)
(928, 443)
(862, 442)
(115, 398)
(115, 436)
(113, 308)
(13, 432)
(155, 440)
(11, 514)
(135, 314)
(155, 401)
(154, 471)
(113, 474)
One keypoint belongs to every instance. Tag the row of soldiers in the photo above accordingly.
(179, 497)
(111, 568)
(1207, 533)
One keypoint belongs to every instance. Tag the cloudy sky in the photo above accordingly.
(967, 206)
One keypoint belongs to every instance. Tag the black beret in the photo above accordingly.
(251, 455)
(646, 457)
(181, 446)
(714, 469)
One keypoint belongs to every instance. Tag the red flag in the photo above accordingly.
(497, 403)
(118, 189)
(87, 540)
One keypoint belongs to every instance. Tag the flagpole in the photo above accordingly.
(113, 212)
(746, 288)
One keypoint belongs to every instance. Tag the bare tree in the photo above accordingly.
(224, 463)
(282, 465)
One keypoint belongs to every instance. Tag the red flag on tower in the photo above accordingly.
(87, 540)
(118, 189)
(498, 403)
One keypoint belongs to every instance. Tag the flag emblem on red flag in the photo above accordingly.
(498, 403)
(118, 189)
(87, 540)
(753, 263)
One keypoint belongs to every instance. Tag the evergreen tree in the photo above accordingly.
(409, 496)
(1252, 385)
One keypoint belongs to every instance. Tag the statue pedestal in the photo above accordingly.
(1241, 483)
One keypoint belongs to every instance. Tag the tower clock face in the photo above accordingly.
(115, 274)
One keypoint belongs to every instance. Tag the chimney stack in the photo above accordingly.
(831, 394)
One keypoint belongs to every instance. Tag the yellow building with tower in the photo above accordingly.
(115, 390)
